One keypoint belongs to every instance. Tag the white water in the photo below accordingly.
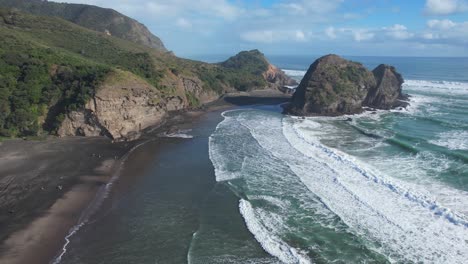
(179, 134)
(294, 73)
(454, 140)
(445, 87)
(400, 220)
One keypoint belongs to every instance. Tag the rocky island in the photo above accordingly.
(336, 86)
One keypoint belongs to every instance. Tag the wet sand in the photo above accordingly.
(46, 185)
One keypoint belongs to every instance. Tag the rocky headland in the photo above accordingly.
(66, 78)
(336, 86)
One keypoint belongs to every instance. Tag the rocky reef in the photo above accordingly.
(336, 86)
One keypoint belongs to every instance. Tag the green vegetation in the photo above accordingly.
(353, 74)
(37, 83)
(49, 67)
(243, 72)
(91, 17)
(192, 99)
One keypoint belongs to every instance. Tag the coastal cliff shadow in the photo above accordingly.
(252, 100)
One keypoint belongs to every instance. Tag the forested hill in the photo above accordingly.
(95, 18)
(51, 69)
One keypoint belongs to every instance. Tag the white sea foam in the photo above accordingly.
(454, 140)
(235, 154)
(257, 222)
(445, 87)
(184, 133)
(381, 208)
(294, 73)
(404, 219)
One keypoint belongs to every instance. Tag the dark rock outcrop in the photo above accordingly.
(332, 86)
(387, 93)
(335, 86)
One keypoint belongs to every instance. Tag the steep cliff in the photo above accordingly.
(121, 107)
(60, 78)
(335, 86)
(276, 78)
(99, 19)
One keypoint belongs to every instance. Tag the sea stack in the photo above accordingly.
(336, 86)
(387, 93)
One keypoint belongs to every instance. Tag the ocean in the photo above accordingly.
(390, 186)
(250, 185)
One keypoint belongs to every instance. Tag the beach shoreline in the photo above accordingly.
(36, 233)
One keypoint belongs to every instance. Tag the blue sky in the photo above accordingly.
(286, 27)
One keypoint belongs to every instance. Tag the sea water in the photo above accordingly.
(250, 185)
(388, 186)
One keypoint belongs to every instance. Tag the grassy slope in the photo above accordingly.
(91, 17)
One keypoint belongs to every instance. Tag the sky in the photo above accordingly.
(286, 27)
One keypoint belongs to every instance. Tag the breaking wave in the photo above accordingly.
(299, 191)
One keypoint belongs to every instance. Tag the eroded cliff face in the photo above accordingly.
(125, 105)
(276, 78)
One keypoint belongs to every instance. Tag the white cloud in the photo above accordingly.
(397, 31)
(440, 24)
(274, 36)
(307, 7)
(288, 24)
(210, 8)
(362, 35)
(330, 32)
(184, 23)
(300, 36)
(445, 7)
(428, 36)
(258, 36)
(446, 31)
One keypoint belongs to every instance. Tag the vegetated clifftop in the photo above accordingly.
(124, 105)
(256, 72)
(95, 18)
(60, 78)
(334, 86)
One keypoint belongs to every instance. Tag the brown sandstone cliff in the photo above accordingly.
(126, 104)
(276, 78)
